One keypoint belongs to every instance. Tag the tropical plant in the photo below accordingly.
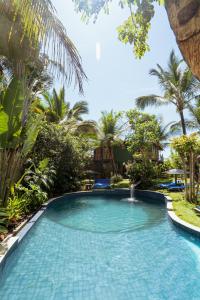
(116, 178)
(194, 109)
(67, 153)
(145, 133)
(35, 29)
(180, 88)
(147, 136)
(71, 118)
(16, 136)
(30, 191)
(110, 130)
(142, 172)
(25, 200)
(188, 149)
(43, 175)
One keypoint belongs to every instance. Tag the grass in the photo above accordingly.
(183, 209)
(125, 183)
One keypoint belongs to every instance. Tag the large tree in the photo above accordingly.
(179, 87)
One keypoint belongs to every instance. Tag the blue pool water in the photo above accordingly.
(103, 248)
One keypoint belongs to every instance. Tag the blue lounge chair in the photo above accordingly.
(177, 187)
(102, 184)
(167, 185)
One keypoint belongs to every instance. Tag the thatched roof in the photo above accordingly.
(184, 18)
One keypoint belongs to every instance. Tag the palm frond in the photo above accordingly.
(151, 100)
(37, 29)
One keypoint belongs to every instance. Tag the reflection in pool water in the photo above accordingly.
(105, 215)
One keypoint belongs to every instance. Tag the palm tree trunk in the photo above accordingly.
(185, 178)
(10, 164)
(183, 122)
(113, 160)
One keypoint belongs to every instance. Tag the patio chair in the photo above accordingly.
(102, 183)
(176, 188)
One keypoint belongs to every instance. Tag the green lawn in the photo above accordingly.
(183, 208)
(125, 183)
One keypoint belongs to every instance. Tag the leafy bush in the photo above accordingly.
(116, 178)
(142, 171)
(25, 200)
(68, 154)
(31, 190)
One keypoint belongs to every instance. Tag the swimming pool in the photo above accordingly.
(102, 247)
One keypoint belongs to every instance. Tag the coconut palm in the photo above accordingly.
(194, 109)
(35, 29)
(58, 110)
(179, 86)
(71, 118)
(165, 132)
(110, 131)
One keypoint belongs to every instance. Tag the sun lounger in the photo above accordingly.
(177, 187)
(102, 184)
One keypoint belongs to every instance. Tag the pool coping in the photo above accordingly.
(12, 240)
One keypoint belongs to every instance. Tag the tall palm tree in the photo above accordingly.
(165, 132)
(29, 28)
(60, 111)
(110, 130)
(179, 86)
(71, 118)
(194, 109)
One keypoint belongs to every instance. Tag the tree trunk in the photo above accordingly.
(184, 18)
(10, 165)
(183, 122)
(113, 160)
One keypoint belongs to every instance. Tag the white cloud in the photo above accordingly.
(98, 51)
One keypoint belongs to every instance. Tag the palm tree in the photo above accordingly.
(165, 131)
(179, 86)
(35, 29)
(110, 130)
(58, 110)
(194, 110)
(71, 118)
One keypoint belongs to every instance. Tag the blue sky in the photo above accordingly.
(116, 78)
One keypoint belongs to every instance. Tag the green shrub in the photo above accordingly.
(25, 200)
(116, 178)
(68, 154)
(141, 171)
